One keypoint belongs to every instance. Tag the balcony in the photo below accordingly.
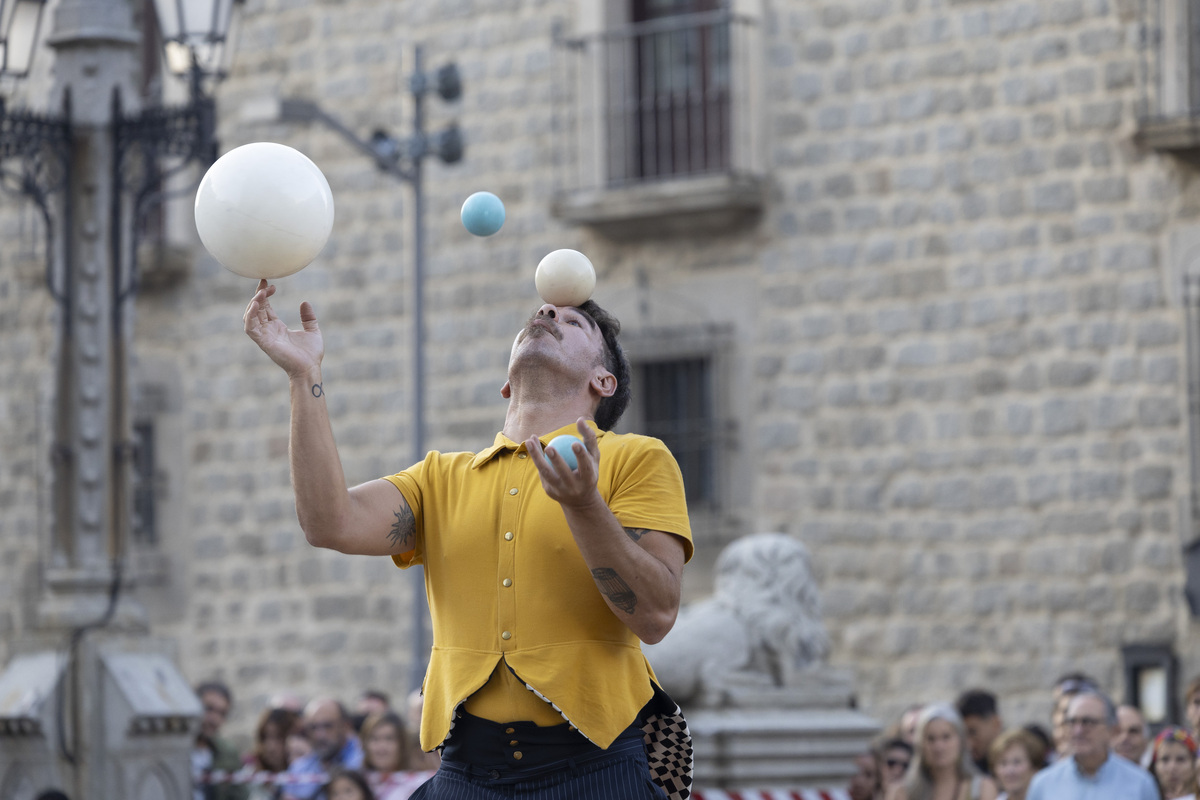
(656, 126)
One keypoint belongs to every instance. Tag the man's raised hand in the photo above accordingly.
(296, 351)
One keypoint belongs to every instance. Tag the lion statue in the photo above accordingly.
(761, 628)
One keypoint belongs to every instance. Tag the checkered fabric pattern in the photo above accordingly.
(668, 747)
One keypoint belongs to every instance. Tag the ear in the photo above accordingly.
(506, 391)
(604, 383)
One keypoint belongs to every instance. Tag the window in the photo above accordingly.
(1151, 673)
(674, 403)
(674, 117)
(658, 117)
(145, 485)
(1168, 75)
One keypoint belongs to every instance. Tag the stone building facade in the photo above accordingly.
(930, 298)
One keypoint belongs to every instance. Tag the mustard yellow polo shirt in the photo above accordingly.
(506, 582)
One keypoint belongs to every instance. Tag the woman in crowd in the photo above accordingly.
(897, 755)
(1015, 757)
(866, 783)
(347, 784)
(1173, 764)
(270, 749)
(941, 768)
(385, 755)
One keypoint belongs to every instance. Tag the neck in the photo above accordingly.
(528, 417)
(944, 775)
(1089, 766)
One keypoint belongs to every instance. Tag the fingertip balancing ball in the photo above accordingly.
(482, 214)
(562, 446)
(264, 210)
(565, 278)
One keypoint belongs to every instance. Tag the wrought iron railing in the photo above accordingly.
(669, 98)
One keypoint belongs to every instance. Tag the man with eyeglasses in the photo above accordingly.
(334, 746)
(1092, 770)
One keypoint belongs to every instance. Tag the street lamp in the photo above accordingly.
(402, 159)
(92, 165)
(19, 24)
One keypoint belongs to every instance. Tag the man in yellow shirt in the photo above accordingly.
(541, 578)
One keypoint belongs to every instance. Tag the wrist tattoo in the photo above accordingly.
(613, 587)
(404, 529)
(637, 533)
(318, 390)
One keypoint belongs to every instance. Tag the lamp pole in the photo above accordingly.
(90, 164)
(402, 159)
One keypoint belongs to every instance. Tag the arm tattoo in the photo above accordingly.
(404, 530)
(637, 533)
(613, 587)
(318, 390)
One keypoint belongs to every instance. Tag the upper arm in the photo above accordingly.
(988, 790)
(379, 522)
(666, 547)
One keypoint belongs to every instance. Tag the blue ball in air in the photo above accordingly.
(483, 214)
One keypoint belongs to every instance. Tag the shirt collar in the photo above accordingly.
(502, 442)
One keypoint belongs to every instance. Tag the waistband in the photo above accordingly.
(494, 750)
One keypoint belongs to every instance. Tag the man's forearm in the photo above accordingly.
(638, 586)
(322, 499)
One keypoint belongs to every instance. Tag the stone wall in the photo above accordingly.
(956, 371)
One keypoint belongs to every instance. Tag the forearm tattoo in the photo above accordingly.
(637, 533)
(613, 587)
(318, 390)
(404, 530)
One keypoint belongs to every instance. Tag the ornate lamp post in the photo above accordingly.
(92, 164)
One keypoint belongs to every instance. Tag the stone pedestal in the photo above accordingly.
(747, 666)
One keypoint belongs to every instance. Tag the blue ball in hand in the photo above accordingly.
(483, 214)
(562, 446)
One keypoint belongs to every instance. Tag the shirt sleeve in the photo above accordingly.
(409, 484)
(647, 490)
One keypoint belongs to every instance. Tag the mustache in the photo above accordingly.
(548, 325)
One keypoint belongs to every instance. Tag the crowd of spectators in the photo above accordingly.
(1093, 748)
(318, 750)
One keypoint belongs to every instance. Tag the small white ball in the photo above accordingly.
(264, 210)
(565, 278)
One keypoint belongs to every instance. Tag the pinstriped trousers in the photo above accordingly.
(619, 773)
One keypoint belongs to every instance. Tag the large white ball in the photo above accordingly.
(264, 210)
(565, 278)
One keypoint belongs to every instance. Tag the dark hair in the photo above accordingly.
(976, 703)
(896, 744)
(376, 694)
(215, 686)
(285, 720)
(53, 794)
(1041, 733)
(352, 775)
(611, 408)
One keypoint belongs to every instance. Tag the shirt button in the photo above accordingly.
(513, 491)
(507, 582)
(510, 730)
(506, 635)
(518, 755)
(513, 743)
(522, 455)
(508, 535)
